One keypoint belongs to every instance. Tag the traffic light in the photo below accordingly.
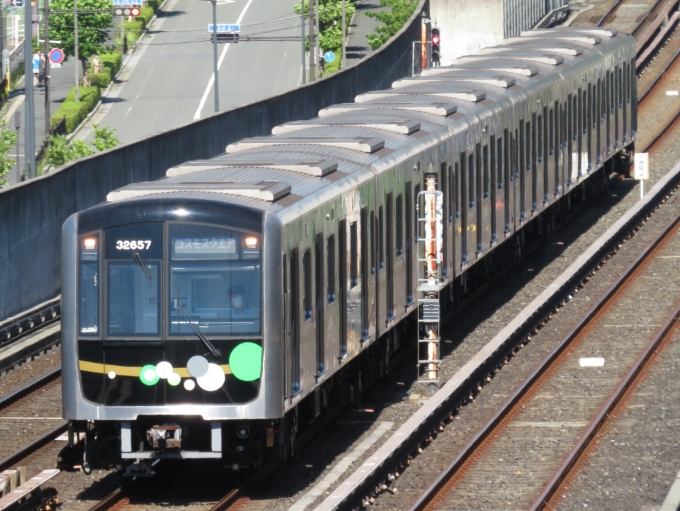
(127, 11)
(436, 53)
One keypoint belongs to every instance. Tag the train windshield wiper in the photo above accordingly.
(213, 351)
(146, 271)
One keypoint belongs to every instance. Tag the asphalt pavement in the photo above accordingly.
(168, 81)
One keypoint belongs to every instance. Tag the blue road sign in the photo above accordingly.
(224, 28)
(329, 56)
(127, 2)
(36, 63)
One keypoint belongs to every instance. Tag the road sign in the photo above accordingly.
(641, 165)
(17, 3)
(127, 2)
(225, 28)
(36, 63)
(329, 56)
(56, 56)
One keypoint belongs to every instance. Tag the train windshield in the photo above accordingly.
(214, 281)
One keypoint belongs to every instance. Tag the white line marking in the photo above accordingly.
(671, 93)
(592, 362)
(126, 113)
(344, 464)
(197, 115)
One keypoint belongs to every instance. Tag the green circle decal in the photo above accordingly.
(148, 375)
(174, 379)
(245, 361)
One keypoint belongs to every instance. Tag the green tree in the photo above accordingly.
(60, 151)
(104, 138)
(8, 140)
(392, 20)
(330, 22)
(92, 28)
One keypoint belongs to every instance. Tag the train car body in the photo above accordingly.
(202, 313)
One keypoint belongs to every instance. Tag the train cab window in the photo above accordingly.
(471, 180)
(88, 286)
(330, 268)
(485, 171)
(540, 138)
(133, 258)
(307, 284)
(215, 277)
(400, 225)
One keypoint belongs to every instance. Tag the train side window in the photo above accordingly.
(485, 167)
(353, 255)
(373, 248)
(471, 180)
(452, 193)
(552, 132)
(381, 238)
(307, 284)
(400, 225)
(527, 149)
(330, 268)
(499, 162)
(456, 189)
(540, 138)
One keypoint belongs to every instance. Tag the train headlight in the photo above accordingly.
(88, 249)
(245, 361)
(251, 242)
(250, 247)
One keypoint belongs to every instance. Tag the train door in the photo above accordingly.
(546, 148)
(445, 222)
(389, 253)
(496, 183)
(464, 207)
(617, 107)
(533, 150)
(364, 272)
(331, 297)
(451, 181)
(287, 369)
(524, 166)
(409, 245)
(295, 318)
(599, 108)
(342, 284)
(590, 123)
(624, 100)
(320, 304)
(556, 117)
(477, 201)
(507, 179)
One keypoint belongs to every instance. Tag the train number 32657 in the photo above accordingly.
(133, 245)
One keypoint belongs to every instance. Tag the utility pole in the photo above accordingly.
(302, 24)
(123, 45)
(343, 35)
(75, 44)
(215, 70)
(17, 125)
(48, 127)
(317, 53)
(312, 74)
(29, 136)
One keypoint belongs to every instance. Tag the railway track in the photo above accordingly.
(559, 374)
(33, 412)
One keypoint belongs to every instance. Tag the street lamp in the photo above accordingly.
(214, 38)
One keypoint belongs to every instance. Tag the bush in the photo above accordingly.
(154, 4)
(101, 80)
(146, 14)
(111, 61)
(135, 27)
(75, 113)
(60, 152)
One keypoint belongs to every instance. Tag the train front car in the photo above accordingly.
(164, 322)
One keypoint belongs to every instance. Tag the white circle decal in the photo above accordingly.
(163, 370)
(189, 384)
(213, 379)
(112, 374)
(197, 366)
(174, 379)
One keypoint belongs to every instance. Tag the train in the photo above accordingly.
(217, 312)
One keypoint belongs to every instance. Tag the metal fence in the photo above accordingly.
(520, 15)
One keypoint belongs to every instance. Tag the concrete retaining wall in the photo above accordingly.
(31, 213)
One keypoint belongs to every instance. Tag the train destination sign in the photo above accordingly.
(203, 248)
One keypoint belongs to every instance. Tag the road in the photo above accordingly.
(168, 81)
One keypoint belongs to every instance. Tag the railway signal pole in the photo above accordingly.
(29, 124)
